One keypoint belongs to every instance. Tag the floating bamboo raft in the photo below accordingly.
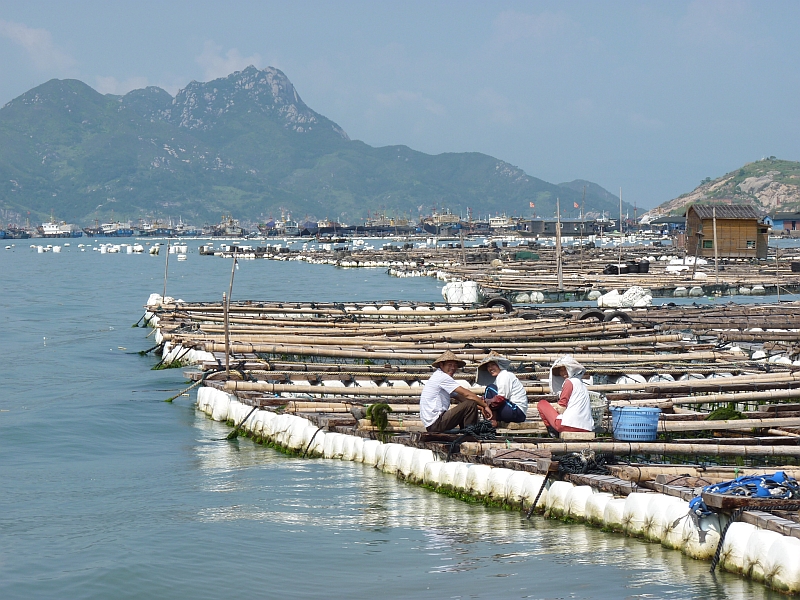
(336, 359)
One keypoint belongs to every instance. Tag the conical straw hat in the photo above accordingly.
(449, 356)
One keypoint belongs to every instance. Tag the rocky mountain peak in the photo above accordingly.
(268, 91)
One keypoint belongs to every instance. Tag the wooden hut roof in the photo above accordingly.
(726, 211)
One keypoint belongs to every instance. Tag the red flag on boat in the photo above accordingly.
(532, 205)
(575, 204)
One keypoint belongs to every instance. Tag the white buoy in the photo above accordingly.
(731, 557)
(612, 514)
(418, 464)
(756, 551)
(633, 515)
(460, 476)
(498, 482)
(371, 452)
(515, 488)
(478, 480)
(783, 564)
(432, 476)
(576, 501)
(557, 498)
(595, 507)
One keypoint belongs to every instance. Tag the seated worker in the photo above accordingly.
(504, 392)
(573, 412)
(434, 403)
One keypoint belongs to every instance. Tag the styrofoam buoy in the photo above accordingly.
(371, 452)
(347, 447)
(447, 475)
(654, 518)
(633, 515)
(338, 446)
(432, 475)
(731, 557)
(783, 564)
(702, 542)
(755, 554)
(556, 498)
(460, 476)
(576, 501)
(677, 513)
(222, 403)
(390, 459)
(405, 460)
(478, 480)
(612, 514)
(328, 449)
(358, 449)
(515, 487)
(498, 481)
(418, 464)
(533, 485)
(595, 507)
(313, 440)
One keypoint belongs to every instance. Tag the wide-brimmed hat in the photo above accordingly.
(447, 356)
(497, 358)
(483, 376)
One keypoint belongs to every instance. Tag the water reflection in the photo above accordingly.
(376, 514)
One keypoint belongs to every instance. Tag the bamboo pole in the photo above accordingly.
(728, 425)
(626, 448)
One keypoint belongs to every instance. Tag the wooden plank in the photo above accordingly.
(726, 502)
(765, 520)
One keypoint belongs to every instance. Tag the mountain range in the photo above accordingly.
(244, 145)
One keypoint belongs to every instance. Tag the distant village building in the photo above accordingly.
(740, 231)
(787, 222)
(547, 227)
(668, 224)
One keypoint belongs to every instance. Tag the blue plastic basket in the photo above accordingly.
(634, 424)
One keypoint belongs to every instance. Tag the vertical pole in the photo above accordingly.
(619, 262)
(716, 250)
(166, 270)
(463, 250)
(227, 336)
(558, 247)
(583, 204)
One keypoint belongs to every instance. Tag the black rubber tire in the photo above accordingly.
(591, 313)
(500, 302)
(617, 314)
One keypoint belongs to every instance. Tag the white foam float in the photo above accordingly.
(498, 482)
(731, 557)
(447, 475)
(388, 463)
(700, 546)
(515, 487)
(677, 513)
(460, 476)
(633, 515)
(596, 506)
(347, 448)
(575, 503)
(338, 446)
(358, 449)
(370, 452)
(478, 480)
(756, 552)
(557, 498)
(612, 514)
(405, 460)
(533, 485)
(220, 407)
(783, 564)
(655, 523)
(418, 464)
(328, 447)
(432, 475)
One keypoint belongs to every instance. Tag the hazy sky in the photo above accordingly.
(647, 96)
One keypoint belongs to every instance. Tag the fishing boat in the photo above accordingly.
(228, 227)
(113, 229)
(59, 229)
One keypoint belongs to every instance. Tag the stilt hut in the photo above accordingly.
(740, 232)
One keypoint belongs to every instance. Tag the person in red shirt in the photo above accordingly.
(573, 412)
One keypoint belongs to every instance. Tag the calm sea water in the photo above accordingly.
(108, 492)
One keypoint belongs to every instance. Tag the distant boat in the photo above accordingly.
(60, 229)
(115, 229)
(229, 227)
(16, 233)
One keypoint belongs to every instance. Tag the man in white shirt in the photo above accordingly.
(434, 403)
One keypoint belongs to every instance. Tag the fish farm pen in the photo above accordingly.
(686, 399)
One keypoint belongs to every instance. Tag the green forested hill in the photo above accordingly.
(244, 145)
